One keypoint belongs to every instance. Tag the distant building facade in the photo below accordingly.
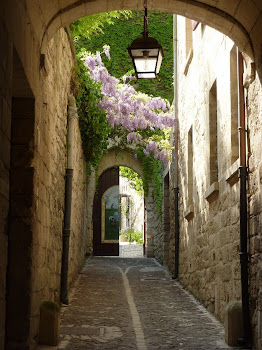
(131, 206)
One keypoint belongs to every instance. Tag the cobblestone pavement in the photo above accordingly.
(121, 303)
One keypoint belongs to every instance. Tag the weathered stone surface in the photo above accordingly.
(233, 323)
(209, 242)
(49, 323)
(38, 163)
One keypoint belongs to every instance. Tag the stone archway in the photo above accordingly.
(124, 158)
(240, 20)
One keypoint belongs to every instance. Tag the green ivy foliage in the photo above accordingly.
(158, 184)
(95, 132)
(118, 29)
(152, 168)
(94, 127)
(86, 27)
(120, 35)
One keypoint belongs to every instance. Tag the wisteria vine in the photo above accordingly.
(135, 112)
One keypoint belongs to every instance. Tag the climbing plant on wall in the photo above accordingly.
(87, 27)
(138, 121)
(94, 127)
(109, 108)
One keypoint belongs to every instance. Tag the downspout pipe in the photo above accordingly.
(72, 115)
(243, 177)
(176, 188)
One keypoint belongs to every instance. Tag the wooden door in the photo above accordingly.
(106, 214)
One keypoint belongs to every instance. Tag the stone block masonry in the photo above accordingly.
(209, 238)
(209, 241)
(35, 162)
(5, 136)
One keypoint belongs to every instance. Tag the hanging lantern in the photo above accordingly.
(146, 54)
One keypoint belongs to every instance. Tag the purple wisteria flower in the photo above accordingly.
(133, 136)
(98, 59)
(90, 62)
(129, 109)
(106, 51)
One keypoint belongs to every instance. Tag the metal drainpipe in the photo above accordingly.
(243, 177)
(72, 115)
(176, 189)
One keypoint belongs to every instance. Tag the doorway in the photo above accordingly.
(118, 215)
(106, 214)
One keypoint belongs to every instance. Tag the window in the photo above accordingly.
(188, 44)
(189, 37)
(190, 167)
(234, 104)
(213, 155)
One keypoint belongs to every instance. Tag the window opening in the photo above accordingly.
(213, 140)
(234, 104)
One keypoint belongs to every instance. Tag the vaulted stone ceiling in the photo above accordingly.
(239, 19)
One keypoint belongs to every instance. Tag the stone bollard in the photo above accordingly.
(49, 323)
(233, 323)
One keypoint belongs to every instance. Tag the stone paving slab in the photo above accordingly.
(121, 303)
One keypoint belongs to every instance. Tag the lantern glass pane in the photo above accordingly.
(146, 75)
(159, 61)
(145, 64)
(139, 52)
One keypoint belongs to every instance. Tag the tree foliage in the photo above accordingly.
(135, 180)
(86, 27)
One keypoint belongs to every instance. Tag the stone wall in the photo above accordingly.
(154, 232)
(79, 218)
(254, 116)
(34, 234)
(209, 216)
(90, 193)
(50, 164)
(5, 136)
(208, 180)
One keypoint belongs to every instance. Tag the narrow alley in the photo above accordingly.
(134, 304)
(130, 127)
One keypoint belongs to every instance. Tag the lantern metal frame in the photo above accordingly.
(146, 53)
